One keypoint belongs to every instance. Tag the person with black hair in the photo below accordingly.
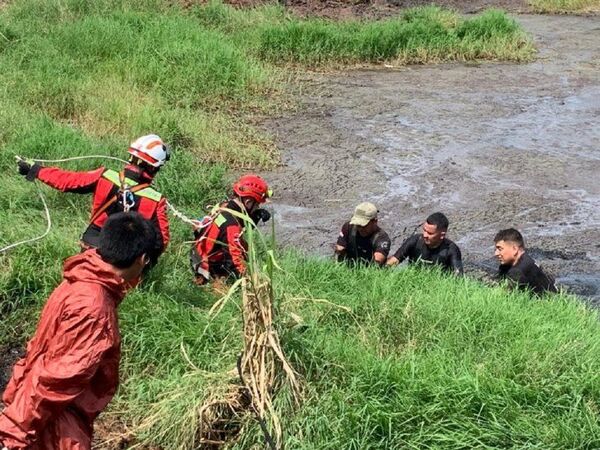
(70, 371)
(517, 267)
(431, 246)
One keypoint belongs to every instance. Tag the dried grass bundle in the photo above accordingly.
(262, 358)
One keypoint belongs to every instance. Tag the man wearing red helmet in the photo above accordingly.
(220, 249)
(129, 190)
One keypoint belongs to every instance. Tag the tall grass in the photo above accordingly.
(418, 36)
(389, 359)
(566, 6)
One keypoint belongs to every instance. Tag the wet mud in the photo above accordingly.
(9, 354)
(492, 145)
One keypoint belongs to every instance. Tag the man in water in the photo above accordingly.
(361, 239)
(517, 266)
(431, 246)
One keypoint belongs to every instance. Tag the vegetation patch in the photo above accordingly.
(421, 35)
(566, 6)
(387, 359)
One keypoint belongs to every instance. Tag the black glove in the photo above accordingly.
(260, 214)
(24, 167)
(28, 169)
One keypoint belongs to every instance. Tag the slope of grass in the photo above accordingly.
(113, 70)
(389, 359)
(566, 6)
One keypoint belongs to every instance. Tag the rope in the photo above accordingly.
(76, 158)
(28, 241)
(178, 214)
(174, 211)
(197, 224)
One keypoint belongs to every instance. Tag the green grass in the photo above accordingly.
(566, 6)
(421, 35)
(389, 359)
(109, 71)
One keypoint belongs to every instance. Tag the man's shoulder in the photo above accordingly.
(381, 241)
(413, 240)
(527, 264)
(84, 297)
(381, 235)
(451, 245)
(228, 215)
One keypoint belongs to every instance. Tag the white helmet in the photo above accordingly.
(150, 149)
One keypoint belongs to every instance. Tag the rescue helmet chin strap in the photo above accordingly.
(146, 171)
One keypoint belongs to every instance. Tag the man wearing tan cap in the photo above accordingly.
(361, 239)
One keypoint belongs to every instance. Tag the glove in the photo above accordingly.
(28, 168)
(260, 214)
(24, 167)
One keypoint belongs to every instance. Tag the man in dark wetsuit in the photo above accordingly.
(517, 266)
(361, 239)
(431, 247)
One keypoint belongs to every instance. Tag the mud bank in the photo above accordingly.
(492, 145)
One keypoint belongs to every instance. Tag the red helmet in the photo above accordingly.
(252, 186)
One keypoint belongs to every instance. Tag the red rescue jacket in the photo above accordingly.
(104, 185)
(221, 249)
(71, 369)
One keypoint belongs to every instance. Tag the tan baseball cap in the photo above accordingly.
(363, 214)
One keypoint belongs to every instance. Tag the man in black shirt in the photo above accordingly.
(361, 239)
(431, 247)
(517, 266)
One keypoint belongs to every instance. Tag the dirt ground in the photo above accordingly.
(492, 145)
(344, 9)
(8, 356)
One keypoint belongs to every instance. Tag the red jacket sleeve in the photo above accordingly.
(72, 359)
(68, 181)
(163, 221)
(236, 247)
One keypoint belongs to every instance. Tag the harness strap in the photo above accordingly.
(113, 199)
(352, 245)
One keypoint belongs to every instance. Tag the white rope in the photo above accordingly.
(197, 224)
(174, 211)
(75, 158)
(49, 225)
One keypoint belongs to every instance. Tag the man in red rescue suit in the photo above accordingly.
(220, 249)
(129, 190)
(70, 371)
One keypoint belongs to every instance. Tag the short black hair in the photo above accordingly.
(439, 220)
(510, 235)
(125, 237)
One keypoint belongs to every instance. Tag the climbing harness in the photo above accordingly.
(124, 197)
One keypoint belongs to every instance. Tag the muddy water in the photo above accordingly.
(492, 145)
